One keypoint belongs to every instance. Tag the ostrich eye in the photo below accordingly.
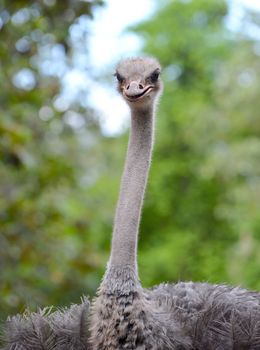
(154, 76)
(119, 77)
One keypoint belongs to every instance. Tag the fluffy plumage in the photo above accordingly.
(175, 316)
(212, 316)
(64, 329)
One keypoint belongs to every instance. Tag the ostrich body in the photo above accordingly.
(185, 315)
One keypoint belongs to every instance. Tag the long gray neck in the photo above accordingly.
(133, 184)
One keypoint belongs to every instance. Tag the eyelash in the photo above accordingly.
(119, 78)
(154, 77)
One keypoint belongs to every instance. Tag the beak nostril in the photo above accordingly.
(141, 86)
(127, 88)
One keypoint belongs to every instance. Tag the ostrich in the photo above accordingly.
(179, 316)
(124, 315)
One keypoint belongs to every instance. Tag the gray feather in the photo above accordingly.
(182, 316)
(70, 326)
(64, 329)
(30, 331)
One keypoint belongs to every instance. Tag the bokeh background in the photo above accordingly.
(63, 136)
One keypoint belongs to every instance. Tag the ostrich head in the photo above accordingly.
(139, 81)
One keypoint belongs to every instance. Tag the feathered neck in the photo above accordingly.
(133, 184)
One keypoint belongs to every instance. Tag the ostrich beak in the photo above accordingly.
(135, 90)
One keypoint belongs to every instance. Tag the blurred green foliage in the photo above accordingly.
(47, 163)
(60, 176)
(202, 210)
